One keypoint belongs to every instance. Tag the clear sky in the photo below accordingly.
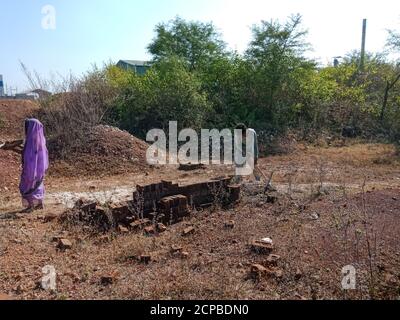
(95, 31)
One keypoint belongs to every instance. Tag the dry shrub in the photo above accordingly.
(80, 104)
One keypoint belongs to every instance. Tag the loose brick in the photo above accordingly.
(64, 244)
(258, 271)
(261, 247)
(120, 212)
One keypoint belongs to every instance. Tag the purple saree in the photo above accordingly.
(35, 163)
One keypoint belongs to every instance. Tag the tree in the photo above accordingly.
(194, 42)
(275, 52)
(167, 92)
(393, 43)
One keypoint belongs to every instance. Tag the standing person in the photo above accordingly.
(35, 163)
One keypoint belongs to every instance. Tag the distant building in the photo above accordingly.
(140, 67)
(33, 94)
(41, 94)
(1, 86)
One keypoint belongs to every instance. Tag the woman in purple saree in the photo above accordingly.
(35, 162)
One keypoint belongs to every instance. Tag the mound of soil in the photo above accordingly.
(12, 116)
(103, 150)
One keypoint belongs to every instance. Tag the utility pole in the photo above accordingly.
(364, 37)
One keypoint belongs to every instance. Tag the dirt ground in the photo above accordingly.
(335, 207)
(322, 221)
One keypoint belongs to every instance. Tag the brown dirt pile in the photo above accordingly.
(103, 150)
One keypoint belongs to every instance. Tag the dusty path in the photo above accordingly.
(336, 169)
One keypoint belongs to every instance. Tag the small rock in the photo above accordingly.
(230, 224)
(122, 229)
(314, 216)
(56, 238)
(298, 274)
(184, 255)
(394, 198)
(261, 247)
(108, 279)
(161, 228)
(17, 241)
(273, 259)
(187, 231)
(64, 244)
(176, 248)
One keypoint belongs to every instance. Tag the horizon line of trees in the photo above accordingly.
(273, 87)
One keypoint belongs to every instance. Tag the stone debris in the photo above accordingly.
(64, 244)
(161, 203)
(188, 231)
(258, 271)
(273, 260)
(262, 246)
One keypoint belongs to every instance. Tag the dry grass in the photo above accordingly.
(313, 251)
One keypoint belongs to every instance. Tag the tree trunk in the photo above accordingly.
(385, 100)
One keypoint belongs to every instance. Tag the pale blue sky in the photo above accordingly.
(94, 31)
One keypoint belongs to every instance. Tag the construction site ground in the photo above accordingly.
(335, 206)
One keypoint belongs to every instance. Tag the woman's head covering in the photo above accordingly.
(35, 157)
